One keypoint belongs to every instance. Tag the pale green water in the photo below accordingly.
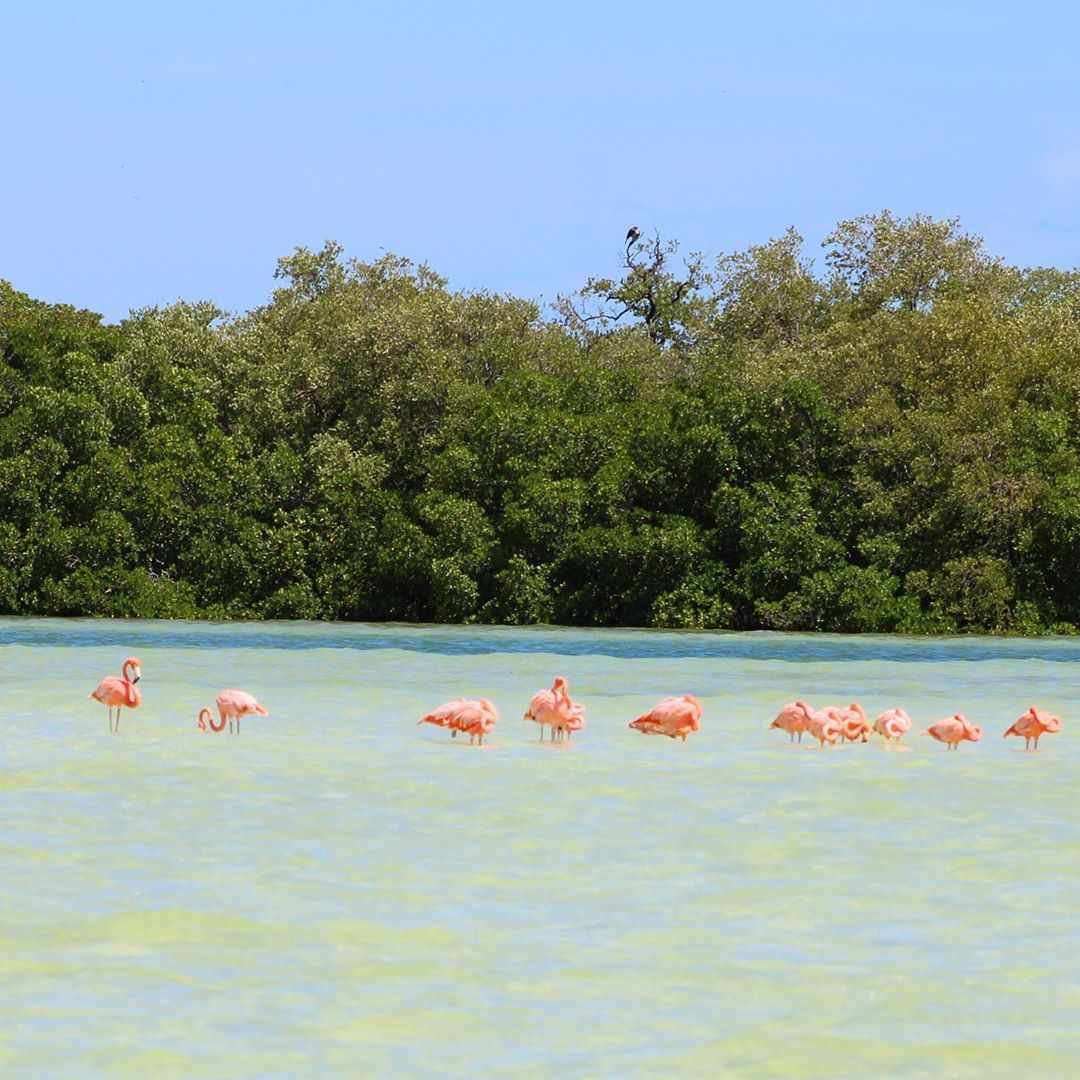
(340, 892)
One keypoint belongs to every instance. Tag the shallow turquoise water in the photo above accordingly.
(340, 892)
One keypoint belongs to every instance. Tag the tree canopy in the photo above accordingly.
(886, 443)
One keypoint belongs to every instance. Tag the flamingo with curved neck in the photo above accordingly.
(557, 709)
(1033, 725)
(854, 725)
(954, 730)
(674, 717)
(893, 724)
(474, 717)
(117, 692)
(232, 704)
(793, 718)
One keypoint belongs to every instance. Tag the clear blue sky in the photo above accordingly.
(152, 152)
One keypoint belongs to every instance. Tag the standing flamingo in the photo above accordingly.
(893, 724)
(555, 708)
(674, 717)
(954, 730)
(232, 704)
(117, 691)
(1033, 724)
(825, 726)
(474, 717)
(792, 718)
(442, 716)
(854, 725)
(565, 726)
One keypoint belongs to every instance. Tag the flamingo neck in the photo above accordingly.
(129, 686)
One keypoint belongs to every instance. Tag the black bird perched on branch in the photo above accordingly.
(632, 235)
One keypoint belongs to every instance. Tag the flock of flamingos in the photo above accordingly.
(553, 708)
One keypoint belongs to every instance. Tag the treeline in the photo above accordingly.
(890, 442)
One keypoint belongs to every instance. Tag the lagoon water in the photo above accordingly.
(340, 892)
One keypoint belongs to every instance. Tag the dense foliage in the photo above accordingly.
(891, 443)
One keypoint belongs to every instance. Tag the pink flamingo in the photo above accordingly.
(566, 726)
(555, 708)
(117, 691)
(854, 725)
(232, 704)
(954, 730)
(674, 717)
(1033, 724)
(893, 724)
(825, 725)
(474, 717)
(441, 716)
(792, 718)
